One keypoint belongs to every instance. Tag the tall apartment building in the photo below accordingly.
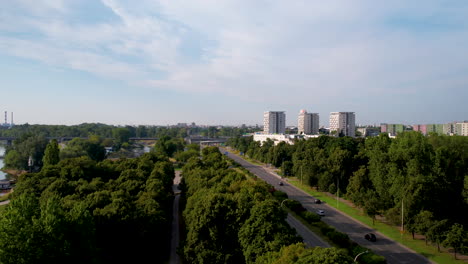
(308, 123)
(461, 129)
(392, 129)
(430, 128)
(343, 123)
(274, 122)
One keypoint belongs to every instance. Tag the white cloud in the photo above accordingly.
(255, 50)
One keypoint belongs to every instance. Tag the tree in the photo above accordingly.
(51, 155)
(265, 230)
(121, 135)
(423, 222)
(372, 205)
(456, 238)
(437, 233)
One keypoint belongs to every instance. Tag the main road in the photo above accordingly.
(390, 249)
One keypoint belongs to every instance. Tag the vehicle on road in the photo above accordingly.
(371, 237)
(317, 201)
(281, 183)
(321, 212)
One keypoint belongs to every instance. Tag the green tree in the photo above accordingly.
(372, 205)
(437, 233)
(52, 153)
(423, 222)
(121, 135)
(265, 230)
(456, 238)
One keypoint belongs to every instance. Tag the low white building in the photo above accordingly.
(277, 138)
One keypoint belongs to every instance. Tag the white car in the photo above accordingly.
(321, 212)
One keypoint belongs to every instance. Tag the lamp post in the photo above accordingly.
(301, 173)
(355, 258)
(283, 202)
(30, 163)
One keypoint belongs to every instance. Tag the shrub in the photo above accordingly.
(371, 258)
(280, 196)
(310, 217)
(295, 206)
(341, 239)
(325, 229)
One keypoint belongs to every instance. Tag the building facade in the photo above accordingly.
(461, 129)
(392, 129)
(308, 123)
(274, 122)
(343, 123)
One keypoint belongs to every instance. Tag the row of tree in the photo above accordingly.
(382, 175)
(108, 131)
(230, 218)
(30, 151)
(82, 211)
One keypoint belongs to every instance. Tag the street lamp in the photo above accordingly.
(30, 163)
(283, 202)
(355, 258)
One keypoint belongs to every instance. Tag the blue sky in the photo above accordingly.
(225, 62)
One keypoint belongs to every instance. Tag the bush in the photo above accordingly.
(280, 196)
(295, 206)
(310, 217)
(341, 239)
(325, 229)
(371, 258)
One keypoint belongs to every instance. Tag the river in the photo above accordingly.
(2, 152)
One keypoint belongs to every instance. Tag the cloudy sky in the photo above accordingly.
(225, 62)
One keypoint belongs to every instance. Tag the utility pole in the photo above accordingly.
(402, 218)
(301, 173)
(337, 192)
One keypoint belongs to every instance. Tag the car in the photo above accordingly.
(321, 212)
(317, 201)
(281, 183)
(371, 237)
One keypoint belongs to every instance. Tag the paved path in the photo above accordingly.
(393, 251)
(174, 258)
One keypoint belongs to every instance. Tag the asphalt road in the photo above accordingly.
(390, 249)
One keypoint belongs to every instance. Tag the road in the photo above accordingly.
(390, 249)
(175, 235)
(309, 237)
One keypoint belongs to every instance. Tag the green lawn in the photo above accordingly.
(390, 231)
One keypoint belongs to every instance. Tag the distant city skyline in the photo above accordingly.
(226, 62)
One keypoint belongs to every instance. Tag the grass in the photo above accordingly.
(392, 232)
(4, 197)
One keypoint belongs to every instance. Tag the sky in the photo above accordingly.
(219, 62)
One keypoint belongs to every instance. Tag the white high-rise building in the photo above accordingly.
(461, 128)
(274, 122)
(308, 123)
(343, 123)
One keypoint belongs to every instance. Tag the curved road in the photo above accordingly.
(390, 249)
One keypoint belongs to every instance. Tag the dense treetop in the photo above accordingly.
(83, 211)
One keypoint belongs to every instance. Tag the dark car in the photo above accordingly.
(371, 237)
(280, 183)
(317, 201)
